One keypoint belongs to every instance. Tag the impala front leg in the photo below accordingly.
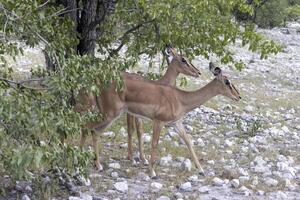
(157, 126)
(140, 132)
(130, 129)
(187, 141)
(95, 144)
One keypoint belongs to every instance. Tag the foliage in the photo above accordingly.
(293, 12)
(272, 14)
(39, 110)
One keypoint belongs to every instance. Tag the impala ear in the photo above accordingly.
(215, 70)
(171, 50)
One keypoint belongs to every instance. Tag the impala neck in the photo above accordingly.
(191, 100)
(171, 74)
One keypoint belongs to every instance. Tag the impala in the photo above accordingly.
(161, 103)
(85, 101)
(179, 64)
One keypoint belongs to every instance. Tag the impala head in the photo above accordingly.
(182, 64)
(226, 87)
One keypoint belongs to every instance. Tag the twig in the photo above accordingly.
(42, 5)
(123, 37)
(19, 84)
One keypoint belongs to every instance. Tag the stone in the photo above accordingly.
(211, 162)
(204, 190)
(200, 142)
(25, 197)
(235, 183)
(123, 132)
(271, 182)
(186, 165)
(23, 186)
(166, 161)
(193, 178)
(143, 176)
(114, 175)
(178, 195)
(249, 109)
(186, 186)
(85, 196)
(146, 138)
(217, 181)
(163, 198)
(228, 143)
(121, 186)
(245, 191)
(156, 186)
(109, 134)
(74, 198)
(114, 165)
(244, 179)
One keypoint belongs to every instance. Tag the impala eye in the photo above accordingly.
(227, 82)
(183, 60)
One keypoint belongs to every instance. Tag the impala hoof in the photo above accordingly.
(201, 173)
(153, 175)
(99, 167)
(145, 162)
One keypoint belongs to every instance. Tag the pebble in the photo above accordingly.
(186, 165)
(166, 161)
(110, 134)
(121, 186)
(193, 178)
(163, 198)
(25, 197)
(156, 186)
(186, 186)
(235, 183)
(123, 132)
(217, 181)
(114, 175)
(271, 182)
(204, 190)
(114, 165)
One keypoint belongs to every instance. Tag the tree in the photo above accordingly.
(73, 33)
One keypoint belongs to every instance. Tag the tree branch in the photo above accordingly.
(17, 85)
(123, 37)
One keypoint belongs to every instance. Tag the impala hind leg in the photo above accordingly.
(140, 132)
(97, 158)
(187, 141)
(157, 126)
(130, 129)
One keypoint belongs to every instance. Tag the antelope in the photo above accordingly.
(160, 103)
(179, 64)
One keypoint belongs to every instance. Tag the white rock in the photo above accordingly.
(285, 129)
(228, 143)
(163, 198)
(186, 186)
(243, 172)
(270, 182)
(217, 181)
(121, 186)
(143, 176)
(85, 196)
(193, 178)
(146, 138)
(172, 133)
(156, 186)
(114, 175)
(249, 109)
(123, 132)
(70, 198)
(25, 197)
(245, 191)
(244, 179)
(260, 192)
(186, 165)
(200, 142)
(235, 183)
(109, 134)
(114, 165)
(211, 162)
(166, 161)
(204, 190)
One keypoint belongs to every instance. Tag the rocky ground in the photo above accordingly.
(249, 149)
